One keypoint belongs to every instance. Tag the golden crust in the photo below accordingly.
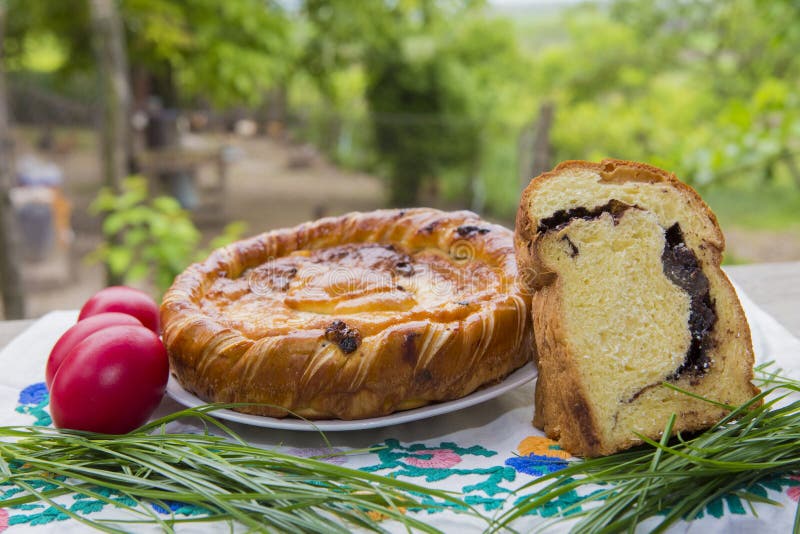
(351, 317)
(564, 408)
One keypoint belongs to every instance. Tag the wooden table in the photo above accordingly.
(773, 286)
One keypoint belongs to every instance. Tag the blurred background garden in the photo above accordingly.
(136, 135)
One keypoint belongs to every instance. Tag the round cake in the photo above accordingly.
(351, 317)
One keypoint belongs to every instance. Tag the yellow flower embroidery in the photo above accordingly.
(541, 446)
(378, 516)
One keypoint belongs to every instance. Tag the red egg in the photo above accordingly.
(77, 333)
(111, 382)
(124, 300)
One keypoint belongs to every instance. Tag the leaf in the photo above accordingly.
(134, 237)
(98, 255)
(129, 199)
(138, 271)
(119, 259)
(114, 223)
(105, 201)
(167, 205)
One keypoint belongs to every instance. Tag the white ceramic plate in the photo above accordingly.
(517, 378)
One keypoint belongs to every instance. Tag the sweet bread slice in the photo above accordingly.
(623, 262)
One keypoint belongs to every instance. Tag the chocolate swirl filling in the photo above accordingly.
(681, 267)
(562, 218)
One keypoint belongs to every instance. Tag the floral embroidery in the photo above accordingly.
(435, 458)
(535, 455)
(33, 400)
(180, 508)
(568, 501)
(405, 460)
(543, 446)
(420, 461)
(41, 514)
(378, 516)
(43, 517)
(34, 394)
(539, 456)
(737, 505)
(794, 491)
(536, 465)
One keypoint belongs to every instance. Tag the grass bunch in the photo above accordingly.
(678, 479)
(261, 489)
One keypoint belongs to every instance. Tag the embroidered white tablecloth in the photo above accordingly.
(484, 452)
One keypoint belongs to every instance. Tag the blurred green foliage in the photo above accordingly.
(440, 92)
(432, 76)
(227, 53)
(150, 239)
(707, 89)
